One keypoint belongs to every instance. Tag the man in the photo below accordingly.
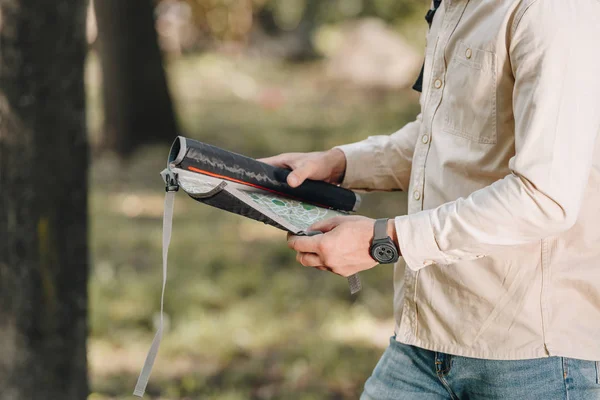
(501, 297)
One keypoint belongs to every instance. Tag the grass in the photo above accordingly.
(244, 320)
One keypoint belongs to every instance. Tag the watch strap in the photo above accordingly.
(380, 229)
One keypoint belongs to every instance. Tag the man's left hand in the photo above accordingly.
(343, 248)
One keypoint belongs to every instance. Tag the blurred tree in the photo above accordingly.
(137, 105)
(298, 40)
(43, 200)
(276, 28)
(295, 22)
(219, 21)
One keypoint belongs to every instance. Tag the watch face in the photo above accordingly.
(385, 253)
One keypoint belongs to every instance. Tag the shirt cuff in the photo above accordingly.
(417, 242)
(362, 169)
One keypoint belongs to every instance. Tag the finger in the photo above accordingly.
(304, 244)
(309, 260)
(321, 267)
(301, 173)
(284, 160)
(326, 225)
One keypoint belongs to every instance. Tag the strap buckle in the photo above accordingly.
(170, 178)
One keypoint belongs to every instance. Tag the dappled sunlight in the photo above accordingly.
(134, 205)
(243, 318)
(360, 327)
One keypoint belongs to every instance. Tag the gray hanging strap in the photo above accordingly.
(172, 187)
(354, 283)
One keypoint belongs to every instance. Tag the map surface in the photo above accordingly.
(297, 213)
(196, 186)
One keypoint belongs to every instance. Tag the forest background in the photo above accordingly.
(92, 95)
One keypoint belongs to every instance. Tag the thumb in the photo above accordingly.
(326, 225)
(300, 174)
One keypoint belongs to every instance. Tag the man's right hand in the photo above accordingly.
(328, 166)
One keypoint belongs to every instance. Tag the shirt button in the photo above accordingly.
(425, 139)
(469, 53)
(438, 83)
(417, 195)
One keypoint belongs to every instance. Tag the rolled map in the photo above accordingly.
(203, 158)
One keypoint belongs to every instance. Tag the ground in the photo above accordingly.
(244, 320)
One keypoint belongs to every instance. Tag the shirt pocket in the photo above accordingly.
(470, 95)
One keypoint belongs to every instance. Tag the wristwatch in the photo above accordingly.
(383, 249)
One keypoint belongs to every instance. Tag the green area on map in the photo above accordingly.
(297, 213)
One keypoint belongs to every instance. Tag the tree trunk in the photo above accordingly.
(137, 104)
(305, 31)
(43, 201)
(294, 45)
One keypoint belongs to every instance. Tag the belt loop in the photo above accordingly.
(598, 372)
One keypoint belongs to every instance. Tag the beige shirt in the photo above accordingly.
(502, 168)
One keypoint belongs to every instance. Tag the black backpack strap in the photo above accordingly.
(418, 86)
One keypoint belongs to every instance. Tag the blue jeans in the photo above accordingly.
(407, 372)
